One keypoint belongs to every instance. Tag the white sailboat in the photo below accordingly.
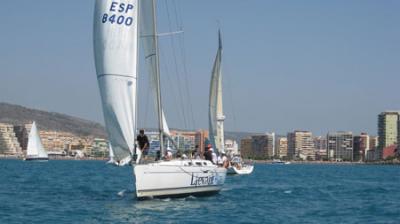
(111, 155)
(116, 38)
(35, 149)
(217, 117)
(239, 167)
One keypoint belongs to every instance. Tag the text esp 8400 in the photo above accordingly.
(114, 14)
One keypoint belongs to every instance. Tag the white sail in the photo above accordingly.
(216, 115)
(35, 147)
(110, 154)
(115, 50)
(148, 39)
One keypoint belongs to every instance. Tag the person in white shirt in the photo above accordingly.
(213, 156)
(219, 160)
(225, 161)
(168, 155)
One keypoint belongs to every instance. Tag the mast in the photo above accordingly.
(159, 105)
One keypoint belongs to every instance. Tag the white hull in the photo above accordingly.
(247, 169)
(178, 178)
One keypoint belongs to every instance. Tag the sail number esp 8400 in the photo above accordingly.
(112, 16)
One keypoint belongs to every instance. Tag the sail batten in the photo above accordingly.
(115, 50)
(216, 115)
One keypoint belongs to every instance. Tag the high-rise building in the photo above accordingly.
(387, 130)
(231, 147)
(281, 147)
(262, 146)
(300, 145)
(9, 144)
(360, 146)
(340, 146)
(373, 147)
(184, 140)
(245, 147)
(200, 140)
(320, 147)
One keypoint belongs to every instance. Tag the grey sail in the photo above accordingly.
(216, 115)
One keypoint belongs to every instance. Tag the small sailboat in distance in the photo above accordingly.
(116, 38)
(35, 150)
(217, 117)
(111, 155)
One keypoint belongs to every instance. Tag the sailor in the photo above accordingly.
(214, 158)
(208, 153)
(225, 161)
(168, 154)
(143, 143)
(219, 160)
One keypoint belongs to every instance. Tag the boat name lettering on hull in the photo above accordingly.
(203, 181)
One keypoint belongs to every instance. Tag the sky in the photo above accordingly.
(287, 65)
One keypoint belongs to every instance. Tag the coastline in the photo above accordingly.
(394, 162)
(12, 157)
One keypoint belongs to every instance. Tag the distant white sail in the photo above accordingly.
(149, 42)
(110, 154)
(115, 49)
(216, 115)
(35, 147)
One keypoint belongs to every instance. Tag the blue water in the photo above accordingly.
(93, 192)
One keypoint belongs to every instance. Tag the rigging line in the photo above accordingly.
(144, 122)
(181, 42)
(178, 19)
(176, 65)
(187, 84)
(231, 97)
(171, 84)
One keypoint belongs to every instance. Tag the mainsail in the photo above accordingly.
(35, 147)
(216, 115)
(115, 50)
(148, 39)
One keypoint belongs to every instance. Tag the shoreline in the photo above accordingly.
(329, 162)
(395, 162)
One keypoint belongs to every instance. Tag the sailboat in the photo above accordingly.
(116, 41)
(217, 117)
(35, 149)
(111, 155)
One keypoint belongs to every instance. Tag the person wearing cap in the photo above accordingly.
(208, 153)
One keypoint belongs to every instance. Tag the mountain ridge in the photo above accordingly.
(53, 121)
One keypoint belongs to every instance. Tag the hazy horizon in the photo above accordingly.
(311, 65)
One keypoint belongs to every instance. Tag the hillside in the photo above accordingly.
(14, 114)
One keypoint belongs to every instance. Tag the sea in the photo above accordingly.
(94, 192)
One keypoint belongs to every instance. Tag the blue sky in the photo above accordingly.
(313, 65)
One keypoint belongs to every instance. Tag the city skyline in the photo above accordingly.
(321, 67)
